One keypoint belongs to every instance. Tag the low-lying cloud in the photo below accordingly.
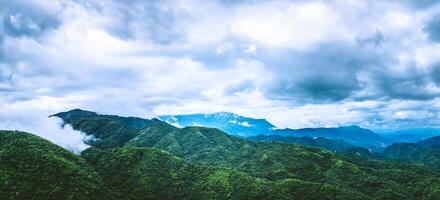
(46, 127)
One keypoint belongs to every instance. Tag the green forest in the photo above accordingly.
(134, 158)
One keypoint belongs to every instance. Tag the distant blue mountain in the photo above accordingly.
(425, 151)
(320, 142)
(411, 135)
(229, 122)
(246, 127)
(353, 134)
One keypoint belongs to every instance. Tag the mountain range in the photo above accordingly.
(248, 127)
(320, 142)
(410, 135)
(229, 122)
(135, 158)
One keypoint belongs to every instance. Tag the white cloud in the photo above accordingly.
(170, 57)
(291, 25)
(29, 117)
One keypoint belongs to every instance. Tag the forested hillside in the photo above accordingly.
(271, 162)
(34, 168)
(134, 158)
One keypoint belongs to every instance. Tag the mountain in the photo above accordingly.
(150, 173)
(107, 130)
(34, 168)
(336, 145)
(229, 122)
(430, 142)
(301, 172)
(132, 122)
(411, 135)
(403, 151)
(426, 152)
(247, 127)
(353, 134)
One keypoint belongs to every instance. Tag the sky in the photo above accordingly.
(297, 63)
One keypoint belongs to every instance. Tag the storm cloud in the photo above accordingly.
(433, 29)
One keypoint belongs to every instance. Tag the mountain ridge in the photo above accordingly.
(425, 152)
(233, 124)
(226, 121)
(272, 161)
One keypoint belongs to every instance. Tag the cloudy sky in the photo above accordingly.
(297, 63)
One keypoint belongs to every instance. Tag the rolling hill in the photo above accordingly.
(34, 168)
(270, 161)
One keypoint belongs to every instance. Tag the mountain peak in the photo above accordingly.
(74, 113)
(226, 121)
(224, 114)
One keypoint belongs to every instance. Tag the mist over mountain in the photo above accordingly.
(50, 128)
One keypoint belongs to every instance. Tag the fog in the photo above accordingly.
(46, 127)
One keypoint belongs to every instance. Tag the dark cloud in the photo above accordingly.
(419, 4)
(329, 72)
(239, 87)
(375, 39)
(435, 74)
(407, 83)
(433, 29)
(407, 88)
(17, 25)
(136, 19)
(20, 18)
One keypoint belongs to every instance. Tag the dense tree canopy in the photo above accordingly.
(134, 158)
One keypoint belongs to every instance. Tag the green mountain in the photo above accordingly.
(402, 151)
(430, 142)
(150, 173)
(336, 145)
(132, 122)
(34, 168)
(275, 163)
(108, 130)
(426, 152)
(353, 134)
